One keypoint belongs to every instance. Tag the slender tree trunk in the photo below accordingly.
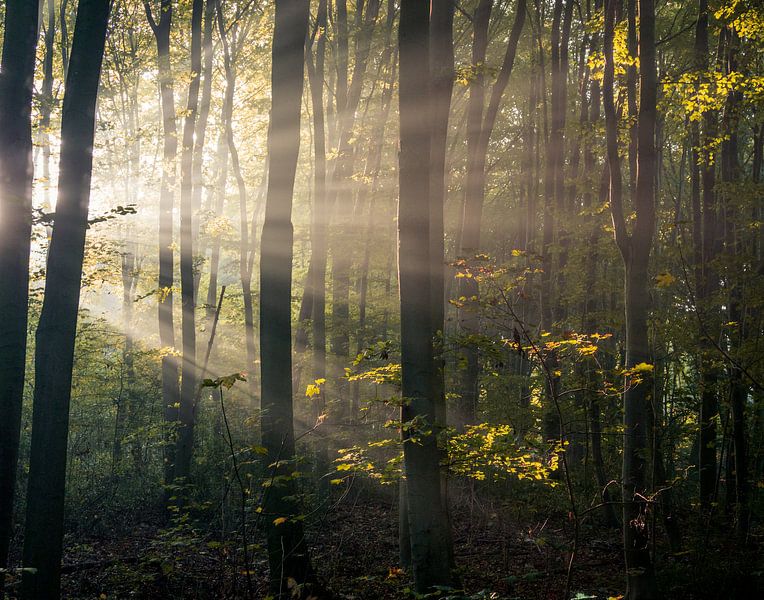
(287, 551)
(441, 90)
(16, 86)
(219, 194)
(56, 332)
(730, 174)
(200, 132)
(313, 304)
(170, 391)
(371, 172)
(46, 101)
(479, 129)
(704, 234)
(246, 246)
(428, 521)
(124, 403)
(342, 184)
(552, 208)
(469, 235)
(635, 250)
(187, 411)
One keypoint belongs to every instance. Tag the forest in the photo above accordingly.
(382, 299)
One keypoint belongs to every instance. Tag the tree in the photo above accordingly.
(16, 86)
(287, 551)
(479, 129)
(188, 387)
(56, 331)
(170, 389)
(635, 250)
(705, 246)
(427, 518)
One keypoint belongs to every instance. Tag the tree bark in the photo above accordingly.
(170, 390)
(635, 250)
(56, 332)
(187, 410)
(287, 551)
(704, 239)
(428, 522)
(16, 174)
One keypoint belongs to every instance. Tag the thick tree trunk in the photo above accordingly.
(287, 551)
(428, 522)
(56, 332)
(16, 86)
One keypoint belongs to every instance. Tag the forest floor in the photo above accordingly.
(355, 551)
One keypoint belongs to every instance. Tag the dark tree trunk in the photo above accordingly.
(635, 250)
(704, 239)
(428, 521)
(441, 90)
(56, 332)
(187, 411)
(200, 134)
(730, 174)
(170, 389)
(16, 86)
(287, 551)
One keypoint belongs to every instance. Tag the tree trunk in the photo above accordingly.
(704, 239)
(730, 174)
(428, 522)
(287, 551)
(170, 391)
(342, 184)
(635, 250)
(56, 332)
(200, 132)
(16, 87)
(124, 402)
(46, 101)
(479, 129)
(187, 411)
(246, 245)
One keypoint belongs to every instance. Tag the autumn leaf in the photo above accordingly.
(664, 280)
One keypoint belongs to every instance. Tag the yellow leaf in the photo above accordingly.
(664, 279)
(279, 521)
